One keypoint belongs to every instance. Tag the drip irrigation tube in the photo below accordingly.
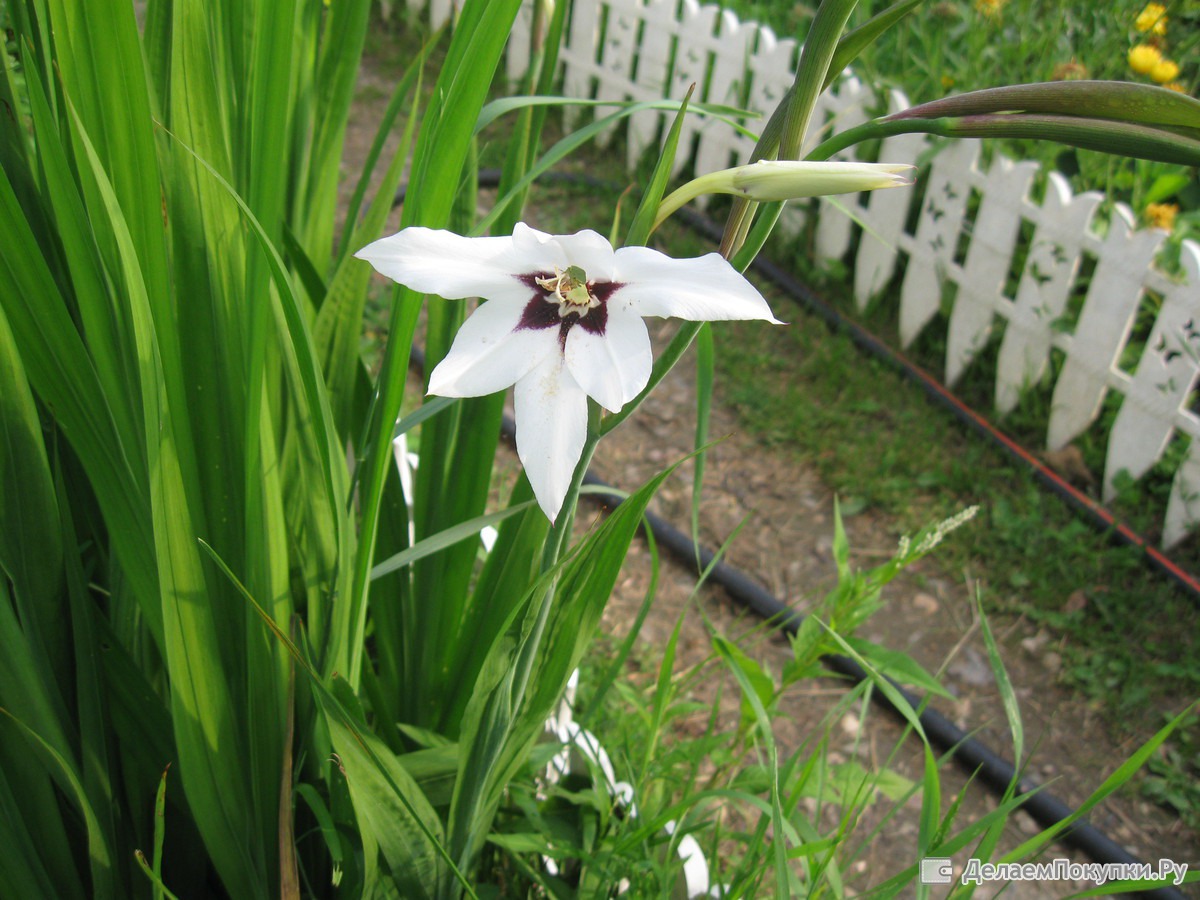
(996, 772)
(992, 769)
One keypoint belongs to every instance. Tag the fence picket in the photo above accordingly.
(659, 33)
(837, 111)
(692, 54)
(1051, 266)
(579, 57)
(931, 252)
(993, 237)
(886, 215)
(1104, 323)
(440, 12)
(727, 85)
(520, 41)
(617, 48)
(1156, 397)
(1183, 506)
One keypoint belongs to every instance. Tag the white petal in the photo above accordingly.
(591, 252)
(613, 367)
(489, 353)
(447, 264)
(551, 429)
(540, 252)
(441, 262)
(704, 289)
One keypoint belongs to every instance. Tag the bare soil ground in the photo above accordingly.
(786, 544)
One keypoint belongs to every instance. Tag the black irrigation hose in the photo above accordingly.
(989, 767)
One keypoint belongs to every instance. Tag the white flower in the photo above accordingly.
(562, 322)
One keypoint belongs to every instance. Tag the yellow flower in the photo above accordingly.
(1161, 215)
(1143, 58)
(989, 8)
(1153, 19)
(1164, 71)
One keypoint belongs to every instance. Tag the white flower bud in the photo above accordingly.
(768, 180)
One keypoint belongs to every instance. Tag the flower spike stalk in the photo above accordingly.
(1121, 101)
(1135, 120)
(562, 322)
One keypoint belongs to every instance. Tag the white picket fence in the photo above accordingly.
(973, 221)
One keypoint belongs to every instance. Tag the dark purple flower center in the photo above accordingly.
(545, 308)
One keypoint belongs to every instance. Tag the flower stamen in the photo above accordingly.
(570, 290)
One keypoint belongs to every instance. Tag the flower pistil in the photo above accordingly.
(570, 290)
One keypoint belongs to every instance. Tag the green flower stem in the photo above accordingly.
(875, 129)
(789, 122)
(819, 47)
(711, 183)
(752, 242)
(1114, 101)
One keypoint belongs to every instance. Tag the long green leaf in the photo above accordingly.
(25, 873)
(334, 81)
(92, 704)
(207, 734)
(30, 539)
(705, 366)
(501, 720)
(729, 654)
(338, 328)
(730, 115)
(65, 773)
(448, 538)
(564, 148)
(647, 211)
(304, 372)
(387, 799)
(1120, 776)
(389, 802)
(60, 371)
